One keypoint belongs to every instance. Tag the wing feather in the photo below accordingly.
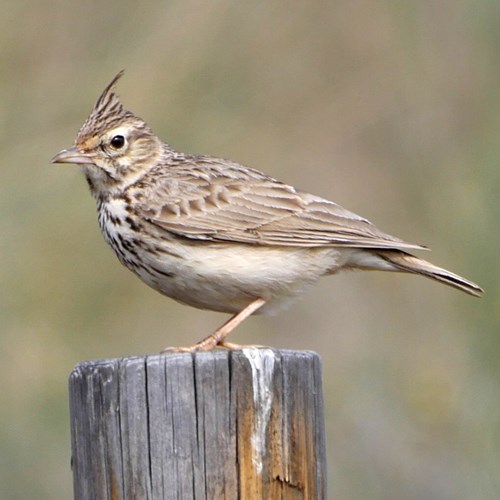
(225, 202)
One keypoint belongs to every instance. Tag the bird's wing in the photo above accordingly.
(236, 204)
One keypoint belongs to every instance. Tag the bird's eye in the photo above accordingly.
(117, 142)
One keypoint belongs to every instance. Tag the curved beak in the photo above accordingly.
(71, 155)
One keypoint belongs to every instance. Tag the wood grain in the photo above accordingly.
(220, 425)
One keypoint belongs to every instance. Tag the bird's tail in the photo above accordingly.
(405, 262)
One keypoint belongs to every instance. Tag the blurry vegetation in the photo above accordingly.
(389, 108)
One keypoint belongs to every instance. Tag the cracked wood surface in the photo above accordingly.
(219, 425)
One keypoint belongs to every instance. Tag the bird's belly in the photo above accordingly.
(217, 276)
(227, 277)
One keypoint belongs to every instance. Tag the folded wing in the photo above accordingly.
(230, 203)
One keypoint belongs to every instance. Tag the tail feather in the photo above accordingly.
(405, 262)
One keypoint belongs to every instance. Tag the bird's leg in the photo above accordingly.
(218, 337)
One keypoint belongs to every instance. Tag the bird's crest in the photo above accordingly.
(107, 113)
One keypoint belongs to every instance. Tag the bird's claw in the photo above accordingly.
(206, 346)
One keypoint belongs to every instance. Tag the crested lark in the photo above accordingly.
(217, 235)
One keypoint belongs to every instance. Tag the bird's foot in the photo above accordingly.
(231, 346)
(205, 345)
(210, 344)
(216, 339)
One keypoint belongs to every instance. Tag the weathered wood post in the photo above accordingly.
(219, 425)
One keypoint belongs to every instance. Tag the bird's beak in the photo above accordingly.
(72, 155)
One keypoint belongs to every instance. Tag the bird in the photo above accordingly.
(217, 235)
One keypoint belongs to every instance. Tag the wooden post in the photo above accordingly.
(219, 425)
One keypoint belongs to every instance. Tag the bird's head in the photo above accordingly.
(113, 147)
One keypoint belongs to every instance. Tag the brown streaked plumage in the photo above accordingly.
(217, 235)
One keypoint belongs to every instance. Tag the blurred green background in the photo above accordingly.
(390, 108)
